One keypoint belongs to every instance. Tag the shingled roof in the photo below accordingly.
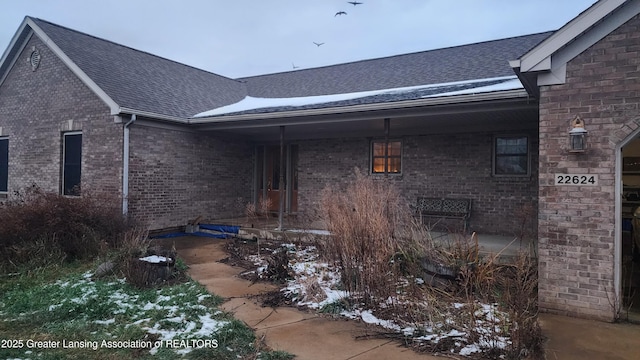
(141, 81)
(145, 83)
(482, 60)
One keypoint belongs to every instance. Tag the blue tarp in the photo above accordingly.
(199, 233)
(222, 228)
(227, 229)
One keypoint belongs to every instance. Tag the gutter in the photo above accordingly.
(148, 114)
(430, 101)
(293, 116)
(125, 166)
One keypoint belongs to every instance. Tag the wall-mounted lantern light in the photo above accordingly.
(577, 136)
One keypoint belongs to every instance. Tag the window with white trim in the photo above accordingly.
(4, 164)
(386, 157)
(71, 163)
(511, 156)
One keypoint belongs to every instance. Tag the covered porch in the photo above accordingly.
(503, 248)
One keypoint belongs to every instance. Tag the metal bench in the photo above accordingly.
(442, 208)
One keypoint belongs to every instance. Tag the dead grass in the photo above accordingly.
(381, 252)
(366, 221)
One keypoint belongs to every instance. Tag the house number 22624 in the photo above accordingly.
(576, 179)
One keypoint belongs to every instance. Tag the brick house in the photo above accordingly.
(488, 121)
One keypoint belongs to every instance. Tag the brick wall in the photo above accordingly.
(448, 165)
(37, 106)
(176, 176)
(576, 225)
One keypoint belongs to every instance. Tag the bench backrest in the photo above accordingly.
(443, 206)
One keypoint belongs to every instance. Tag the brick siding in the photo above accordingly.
(576, 225)
(176, 176)
(447, 165)
(36, 107)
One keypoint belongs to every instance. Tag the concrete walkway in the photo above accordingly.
(304, 334)
(310, 336)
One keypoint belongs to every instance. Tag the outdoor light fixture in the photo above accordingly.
(577, 136)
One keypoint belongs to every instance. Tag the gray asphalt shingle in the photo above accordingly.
(142, 81)
(145, 82)
(474, 61)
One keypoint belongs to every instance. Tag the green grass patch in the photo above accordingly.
(64, 314)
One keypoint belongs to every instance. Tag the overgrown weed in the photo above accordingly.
(392, 265)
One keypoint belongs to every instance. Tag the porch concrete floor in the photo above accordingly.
(489, 245)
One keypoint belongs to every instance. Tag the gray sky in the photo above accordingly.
(238, 38)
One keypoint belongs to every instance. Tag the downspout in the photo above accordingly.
(386, 147)
(125, 166)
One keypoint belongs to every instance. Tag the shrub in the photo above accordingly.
(36, 225)
(366, 221)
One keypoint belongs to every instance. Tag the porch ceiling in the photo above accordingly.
(494, 116)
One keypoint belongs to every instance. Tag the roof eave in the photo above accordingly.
(538, 59)
(546, 64)
(397, 105)
(150, 115)
(10, 54)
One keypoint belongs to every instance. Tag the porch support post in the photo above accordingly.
(282, 189)
(386, 146)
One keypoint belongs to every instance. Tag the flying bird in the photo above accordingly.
(318, 44)
(340, 13)
(294, 66)
(354, 3)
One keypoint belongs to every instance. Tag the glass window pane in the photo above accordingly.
(511, 146)
(4, 164)
(394, 148)
(378, 149)
(511, 165)
(378, 165)
(72, 164)
(394, 165)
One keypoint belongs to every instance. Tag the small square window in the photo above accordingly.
(511, 155)
(386, 157)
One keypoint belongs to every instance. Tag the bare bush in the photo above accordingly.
(37, 223)
(366, 221)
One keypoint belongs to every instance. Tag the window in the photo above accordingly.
(4, 164)
(511, 155)
(71, 163)
(386, 157)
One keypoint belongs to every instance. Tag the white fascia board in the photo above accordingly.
(396, 105)
(542, 65)
(74, 68)
(533, 59)
(557, 73)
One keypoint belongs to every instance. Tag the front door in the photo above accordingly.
(270, 187)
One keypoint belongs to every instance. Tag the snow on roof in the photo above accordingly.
(511, 84)
(465, 87)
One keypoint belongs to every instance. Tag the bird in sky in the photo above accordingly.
(318, 44)
(354, 3)
(340, 13)
(294, 66)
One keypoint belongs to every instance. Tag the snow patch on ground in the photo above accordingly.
(316, 284)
